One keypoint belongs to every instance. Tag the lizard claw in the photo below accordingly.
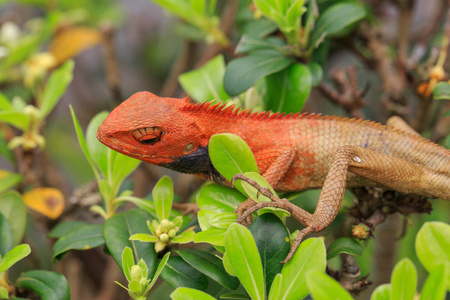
(304, 232)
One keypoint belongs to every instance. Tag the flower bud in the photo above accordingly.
(164, 237)
(172, 233)
(159, 246)
(135, 272)
(165, 225)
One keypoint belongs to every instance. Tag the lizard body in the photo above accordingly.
(294, 152)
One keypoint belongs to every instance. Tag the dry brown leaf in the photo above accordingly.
(72, 41)
(47, 201)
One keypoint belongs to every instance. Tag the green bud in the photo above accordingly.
(135, 272)
(172, 233)
(165, 225)
(158, 231)
(164, 237)
(143, 282)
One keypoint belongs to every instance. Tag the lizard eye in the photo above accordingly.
(148, 135)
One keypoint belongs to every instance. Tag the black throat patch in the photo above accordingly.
(196, 162)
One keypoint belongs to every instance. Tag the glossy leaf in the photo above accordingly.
(435, 286)
(178, 273)
(243, 72)
(122, 167)
(5, 236)
(120, 227)
(252, 192)
(206, 82)
(336, 19)
(212, 236)
(127, 262)
(432, 244)
(230, 155)
(219, 198)
(323, 287)
(204, 216)
(441, 91)
(184, 237)
(162, 197)
(381, 292)
(5, 103)
(404, 280)
(83, 145)
(223, 220)
(8, 180)
(272, 240)
(47, 201)
(344, 245)
(62, 229)
(288, 90)
(316, 73)
(47, 284)
(56, 87)
(84, 238)
(275, 288)
(101, 155)
(245, 260)
(185, 293)
(15, 118)
(209, 265)
(14, 210)
(309, 256)
(252, 44)
(143, 237)
(158, 271)
(13, 256)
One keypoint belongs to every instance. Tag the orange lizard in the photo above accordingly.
(294, 152)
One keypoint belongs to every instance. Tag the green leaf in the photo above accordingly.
(252, 44)
(5, 236)
(204, 216)
(432, 244)
(4, 293)
(14, 210)
(223, 220)
(323, 287)
(184, 293)
(83, 145)
(441, 91)
(404, 280)
(288, 90)
(336, 19)
(219, 198)
(275, 288)
(9, 180)
(101, 155)
(435, 286)
(127, 262)
(179, 273)
(245, 260)
(162, 197)
(122, 167)
(143, 237)
(5, 103)
(209, 265)
(184, 237)
(56, 86)
(17, 119)
(84, 238)
(206, 82)
(344, 245)
(13, 256)
(310, 255)
(47, 284)
(118, 229)
(272, 240)
(316, 73)
(230, 155)
(64, 228)
(158, 271)
(5, 151)
(382, 292)
(243, 72)
(253, 192)
(212, 236)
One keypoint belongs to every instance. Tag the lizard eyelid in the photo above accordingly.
(148, 135)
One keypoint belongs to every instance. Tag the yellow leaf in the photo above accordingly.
(72, 41)
(47, 201)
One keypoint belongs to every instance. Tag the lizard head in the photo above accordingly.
(152, 129)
